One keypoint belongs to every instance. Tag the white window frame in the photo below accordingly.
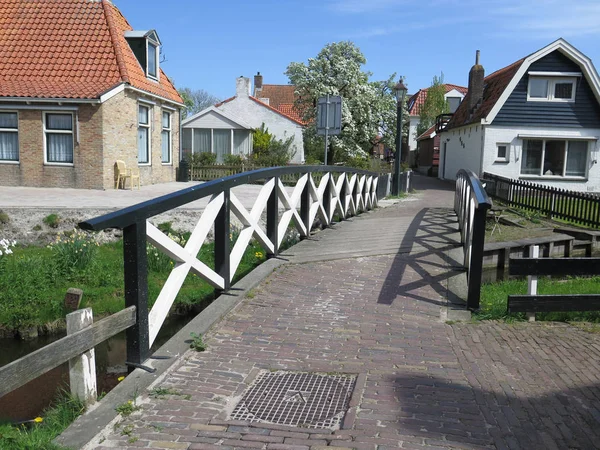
(46, 131)
(148, 126)
(506, 158)
(12, 130)
(149, 42)
(552, 81)
(566, 156)
(170, 131)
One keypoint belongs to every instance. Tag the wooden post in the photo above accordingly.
(532, 280)
(82, 369)
(222, 242)
(273, 219)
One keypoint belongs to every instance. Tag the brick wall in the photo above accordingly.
(120, 120)
(86, 172)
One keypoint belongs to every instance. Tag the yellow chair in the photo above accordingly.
(122, 173)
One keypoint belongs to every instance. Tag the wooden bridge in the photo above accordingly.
(344, 340)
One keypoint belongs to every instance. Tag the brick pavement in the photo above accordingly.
(421, 383)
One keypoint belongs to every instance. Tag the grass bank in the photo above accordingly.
(39, 433)
(494, 298)
(33, 280)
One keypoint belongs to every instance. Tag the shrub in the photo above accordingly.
(202, 159)
(233, 160)
(4, 219)
(74, 251)
(52, 220)
(269, 151)
(358, 162)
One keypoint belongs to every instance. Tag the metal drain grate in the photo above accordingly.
(309, 400)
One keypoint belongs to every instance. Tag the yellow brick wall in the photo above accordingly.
(86, 172)
(120, 123)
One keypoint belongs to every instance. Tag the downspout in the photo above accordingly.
(481, 152)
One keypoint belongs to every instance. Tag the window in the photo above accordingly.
(58, 133)
(222, 144)
(552, 157)
(143, 134)
(166, 138)
(202, 140)
(453, 103)
(502, 152)
(9, 136)
(152, 60)
(551, 89)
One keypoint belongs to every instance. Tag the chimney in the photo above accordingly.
(476, 76)
(258, 79)
(242, 87)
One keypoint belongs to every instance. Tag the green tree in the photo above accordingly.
(368, 107)
(196, 100)
(434, 105)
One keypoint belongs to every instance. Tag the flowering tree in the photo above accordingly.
(368, 107)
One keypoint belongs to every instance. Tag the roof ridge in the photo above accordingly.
(277, 111)
(106, 5)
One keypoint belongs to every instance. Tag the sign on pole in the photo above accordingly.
(329, 115)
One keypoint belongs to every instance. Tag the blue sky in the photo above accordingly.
(208, 44)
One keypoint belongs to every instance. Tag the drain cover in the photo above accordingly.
(296, 398)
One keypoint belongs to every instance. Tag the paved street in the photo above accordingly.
(420, 383)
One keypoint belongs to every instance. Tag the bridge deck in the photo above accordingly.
(365, 299)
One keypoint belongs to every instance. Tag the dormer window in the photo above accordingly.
(547, 88)
(152, 60)
(146, 48)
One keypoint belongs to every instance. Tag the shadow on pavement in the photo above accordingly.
(449, 414)
(423, 249)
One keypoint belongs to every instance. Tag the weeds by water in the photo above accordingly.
(39, 434)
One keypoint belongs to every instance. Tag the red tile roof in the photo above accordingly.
(494, 85)
(288, 116)
(427, 134)
(417, 100)
(281, 97)
(68, 49)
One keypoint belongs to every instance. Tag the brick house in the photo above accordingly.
(79, 89)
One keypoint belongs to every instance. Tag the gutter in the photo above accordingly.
(30, 100)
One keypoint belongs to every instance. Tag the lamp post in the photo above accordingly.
(400, 93)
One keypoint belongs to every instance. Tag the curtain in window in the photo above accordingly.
(187, 140)
(240, 142)
(60, 147)
(142, 145)
(576, 158)
(166, 120)
(8, 120)
(59, 122)
(222, 142)
(143, 115)
(9, 146)
(165, 153)
(531, 161)
(201, 140)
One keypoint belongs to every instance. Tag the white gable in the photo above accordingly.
(212, 117)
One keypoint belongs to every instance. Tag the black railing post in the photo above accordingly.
(305, 205)
(136, 290)
(327, 200)
(273, 218)
(476, 262)
(343, 195)
(222, 242)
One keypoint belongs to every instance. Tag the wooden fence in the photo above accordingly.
(534, 267)
(83, 335)
(579, 207)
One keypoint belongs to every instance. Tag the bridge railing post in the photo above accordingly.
(273, 218)
(327, 199)
(136, 290)
(222, 241)
(305, 205)
(82, 369)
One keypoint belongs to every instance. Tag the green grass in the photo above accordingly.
(494, 297)
(33, 284)
(40, 435)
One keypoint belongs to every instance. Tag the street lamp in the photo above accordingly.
(400, 93)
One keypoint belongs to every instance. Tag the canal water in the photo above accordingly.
(28, 401)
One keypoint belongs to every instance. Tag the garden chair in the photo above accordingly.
(122, 173)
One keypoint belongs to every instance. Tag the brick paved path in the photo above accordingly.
(421, 383)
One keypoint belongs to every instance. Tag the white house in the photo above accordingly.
(454, 96)
(232, 120)
(537, 119)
